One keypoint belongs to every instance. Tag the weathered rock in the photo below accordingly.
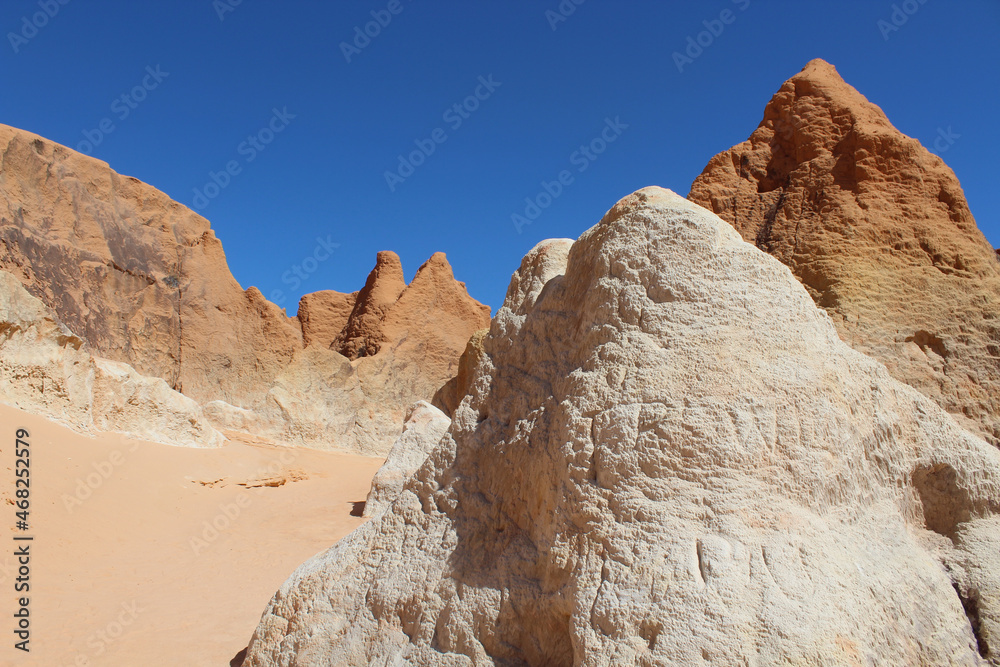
(138, 276)
(323, 315)
(46, 370)
(424, 427)
(363, 334)
(146, 408)
(878, 230)
(324, 400)
(434, 318)
(406, 344)
(668, 456)
(451, 394)
(545, 261)
(144, 281)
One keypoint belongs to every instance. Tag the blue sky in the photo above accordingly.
(308, 132)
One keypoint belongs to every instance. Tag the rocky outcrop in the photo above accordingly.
(363, 333)
(138, 276)
(451, 394)
(323, 315)
(124, 401)
(143, 281)
(546, 260)
(668, 456)
(424, 427)
(878, 230)
(47, 370)
(399, 344)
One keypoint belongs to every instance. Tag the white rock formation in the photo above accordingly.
(667, 457)
(47, 370)
(143, 407)
(424, 427)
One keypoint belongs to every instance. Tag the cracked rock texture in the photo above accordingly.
(46, 370)
(144, 281)
(667, 456)
(878, 230)
(424, 427)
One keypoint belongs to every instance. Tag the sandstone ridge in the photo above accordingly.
(144, 281)
(47, 370)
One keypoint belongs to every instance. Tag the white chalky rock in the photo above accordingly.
(667, 457)
(422, 430)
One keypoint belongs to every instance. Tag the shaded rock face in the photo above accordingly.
(47, 370)
(323, 315)
(878, 230)
(452, 392)
(144, 282)
(667, 456)
(424, 427)
(363, 333)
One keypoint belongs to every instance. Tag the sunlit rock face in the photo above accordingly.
(878, 231)
(667, 456)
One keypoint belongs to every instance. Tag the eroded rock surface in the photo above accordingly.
(323, 315)
(878, 230)
(45, 369)
(399, 344)
(143, 281)
(138, 276)
(667, 456)
(424, 427)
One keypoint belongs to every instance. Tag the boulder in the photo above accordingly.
(423, 429)
(668, 456)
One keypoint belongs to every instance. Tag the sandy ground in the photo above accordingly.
(148, 555)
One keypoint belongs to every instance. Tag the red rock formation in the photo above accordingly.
(140, 277)
(878, 230)
(363, 335)
(434, 317)
(323, 315)
(144, 281)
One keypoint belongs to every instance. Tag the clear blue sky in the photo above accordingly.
(323, 174)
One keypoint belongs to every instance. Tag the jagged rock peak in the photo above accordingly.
(878, 230)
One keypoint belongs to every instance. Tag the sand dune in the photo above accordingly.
(146, 554)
